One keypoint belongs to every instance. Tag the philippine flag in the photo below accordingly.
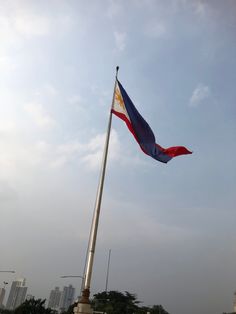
(123, 108)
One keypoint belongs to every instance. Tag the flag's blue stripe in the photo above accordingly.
(142, 130)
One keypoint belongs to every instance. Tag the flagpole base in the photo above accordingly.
(84, 306)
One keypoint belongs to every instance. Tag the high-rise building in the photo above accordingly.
(2, 295)
(17, 294)
(67, 297)
(235, 301)
(54, 299)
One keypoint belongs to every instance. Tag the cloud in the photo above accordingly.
(51, 90)
(7, 64)
(7, 193)
(199, 8)
(147, 229)
(78, 102)
(24, 20)
(200, 93)
(114, 8)
(155, 29)
(40, 117)
(18, 156)
(120, 40)
(89, 154)
(95, 150)
(21, 155)
(75, 99)
(29, 24)
(65, 153)
(47, 90)
(7, 127)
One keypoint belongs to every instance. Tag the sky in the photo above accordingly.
(170, 227)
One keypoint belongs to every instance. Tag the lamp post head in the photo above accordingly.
(72, 276)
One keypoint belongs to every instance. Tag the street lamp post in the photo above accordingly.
(72, 276)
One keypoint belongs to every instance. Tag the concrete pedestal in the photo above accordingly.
(83, 308)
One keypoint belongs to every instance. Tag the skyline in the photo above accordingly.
(63, 295)
(171, 227)
(7, 293)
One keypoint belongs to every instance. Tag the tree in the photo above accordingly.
(157, 309)
(70, 309)
(4, 311)
(114, 302)
(33, 306)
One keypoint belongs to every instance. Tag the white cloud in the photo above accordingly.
(51, 90)
(120, 40)
(200, 93)
(6, 31)
(155, 29)
(29, 24)
(114, 8)
(75, 99)
(77, 102)
(199, 8)
(147, 229)
(19, 154)
(47, 90)
(65, 153)
(95, 150)
(7, 64)
(7, 126)
(21, 20)
(7, 193)
(90, 153)
(40, 117)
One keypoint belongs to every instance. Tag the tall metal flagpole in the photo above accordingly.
(84, 305)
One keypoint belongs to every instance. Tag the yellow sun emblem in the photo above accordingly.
(119, 98)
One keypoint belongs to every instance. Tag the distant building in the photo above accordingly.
(54, 299)
(67, 298)
(2, 295)
(235, 301)
(17, 294)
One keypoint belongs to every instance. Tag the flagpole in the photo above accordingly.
(84, 305)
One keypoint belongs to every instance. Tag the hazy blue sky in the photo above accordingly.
(171, 227)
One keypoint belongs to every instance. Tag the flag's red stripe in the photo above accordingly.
(171, 151)
(129, 125)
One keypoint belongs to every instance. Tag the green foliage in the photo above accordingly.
(70, 309)
(3, 311)
(114, 302)
(33, 306)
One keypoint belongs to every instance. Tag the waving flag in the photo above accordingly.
(124, 108)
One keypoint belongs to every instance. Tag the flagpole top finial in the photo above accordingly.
(117, 69)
